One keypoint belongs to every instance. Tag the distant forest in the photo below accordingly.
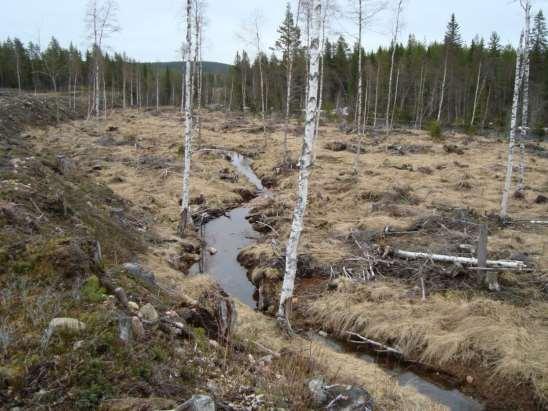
(479, 74)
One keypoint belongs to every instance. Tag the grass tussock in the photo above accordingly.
(510, 342)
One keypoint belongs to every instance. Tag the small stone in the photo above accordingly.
(197, 403)
(316, 387)
(469, 379)
(212, 250)
(322, 333)
(251, 359)
(137, 328)
(171, 314)
(148, 313)
(133, 306)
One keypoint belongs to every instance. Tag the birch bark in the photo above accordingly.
(185, 197)
(392, 58)
(512, 135)
(525, 99)
(359, 133)
(304, 170)
(476, 95)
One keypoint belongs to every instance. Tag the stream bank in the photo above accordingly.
(227, 235)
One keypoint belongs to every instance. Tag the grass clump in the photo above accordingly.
(92, 291)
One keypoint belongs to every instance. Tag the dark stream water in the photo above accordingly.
(229, 234)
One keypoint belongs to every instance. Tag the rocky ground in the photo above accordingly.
(82, 199)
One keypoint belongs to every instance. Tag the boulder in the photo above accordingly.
(148, 313)
(65, 324)
(197, 403)
(133, 306)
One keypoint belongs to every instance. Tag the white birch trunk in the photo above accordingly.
(185, 196)
(442, 95)
(124, 89)
(104, 97)
(304, 169)
(322, 71)
(476, 95)
(460, 260)
(512, 135)
(419, 98)
(395, 98)
(359, 133)
(392, 57)
(525, 98)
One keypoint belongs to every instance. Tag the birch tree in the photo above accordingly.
(101, 22)
(305, 163)
(185, 197)
(395, 32)
(512, 134)
(526, 5)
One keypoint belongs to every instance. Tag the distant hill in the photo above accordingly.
(209, 66)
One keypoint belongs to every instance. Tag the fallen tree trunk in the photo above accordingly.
(461, 260)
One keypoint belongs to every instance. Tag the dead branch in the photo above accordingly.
(365, 340)
(461, 260)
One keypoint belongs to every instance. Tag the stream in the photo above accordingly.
(229, 234)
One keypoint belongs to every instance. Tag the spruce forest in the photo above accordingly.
(323, 212)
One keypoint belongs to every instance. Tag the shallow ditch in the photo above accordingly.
(230, 233)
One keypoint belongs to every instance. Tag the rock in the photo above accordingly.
(349, 398)
(148, 313)
(212, 250)
(133, 306)
(316, 386)
(122, 297)
(140, 273)
(65, 324)
(322, 333)
(197, 403)
(339, 397)
(141, 404)
(137, 329)
(469, 379)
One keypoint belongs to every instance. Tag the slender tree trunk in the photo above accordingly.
(304, 171)
(18, 69)
(392, 57)
(376, 95)
(525, 99)
(104, 97)
(476, 96)
(486, 112)
(395, 99)
(288, 101)
(322, 75)
(442, 94)
(419, 98)
(359, 133)
(124, 90)
(512, 136)
(185, 197)
(157, 93)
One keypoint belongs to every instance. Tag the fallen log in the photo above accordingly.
(461, 260)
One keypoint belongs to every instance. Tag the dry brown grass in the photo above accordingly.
(344, 367)
(509, 341)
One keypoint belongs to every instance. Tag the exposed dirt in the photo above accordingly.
(411, 193)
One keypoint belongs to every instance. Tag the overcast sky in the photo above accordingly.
(152, 30)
